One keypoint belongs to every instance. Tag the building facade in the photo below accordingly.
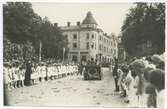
(121, 51)
(87, 41)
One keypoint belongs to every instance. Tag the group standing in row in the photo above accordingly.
(17, 75)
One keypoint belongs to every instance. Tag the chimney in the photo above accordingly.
(78, 23)
(56, 24)
(68, 24)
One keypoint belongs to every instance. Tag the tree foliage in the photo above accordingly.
(144, 22)
(22, 26)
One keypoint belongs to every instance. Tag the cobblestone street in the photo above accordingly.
(69, 91)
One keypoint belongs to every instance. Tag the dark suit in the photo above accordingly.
(28, 74)
(115, 74)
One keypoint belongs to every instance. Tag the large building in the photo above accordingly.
(87, 41)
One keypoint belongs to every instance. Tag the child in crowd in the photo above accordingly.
(150, 89)
(157, 79)
(6, 74)
(22, 71)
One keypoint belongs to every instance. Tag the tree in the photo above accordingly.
(23, 27)
(18, 20)
(52, 40)
(144, 23)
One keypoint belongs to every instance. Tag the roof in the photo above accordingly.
(89, 19)
(72, 27)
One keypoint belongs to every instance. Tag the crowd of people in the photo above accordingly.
(141, 82)
(18, 75)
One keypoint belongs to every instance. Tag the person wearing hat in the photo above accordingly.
(157, 61)
(157, 79)
(150, 89)
(139, 82)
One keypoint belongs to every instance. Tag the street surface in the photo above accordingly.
(68, 91)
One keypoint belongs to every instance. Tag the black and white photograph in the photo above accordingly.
(62, 54)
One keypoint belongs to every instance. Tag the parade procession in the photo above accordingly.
(78, 64)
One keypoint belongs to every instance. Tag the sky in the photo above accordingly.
(109, 16)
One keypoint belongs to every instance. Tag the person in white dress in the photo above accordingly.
(19, 76)
(120, 73)
(10, 76)
(138, 66)
(23, 71)
(6, 75)
(40, 72)
(53, 69)
(59, 71)
(38, 69)
(33, 74)
(56, 71)
(49, 71)
(16, 75)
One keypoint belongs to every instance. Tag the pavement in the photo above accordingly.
(68, 91)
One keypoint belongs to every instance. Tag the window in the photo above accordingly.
(104, 49)
(66, 36)
(92, 46)
(83, 58)
(74, 36)
(87, 35)
(92, 36)
(74, 45)
(87, 45)
(100, 37)
(100, 47)
(95, 46)
(74, 58)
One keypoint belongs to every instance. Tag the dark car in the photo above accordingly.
(92, 72)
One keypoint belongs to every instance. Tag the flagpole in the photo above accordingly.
(40, 50)
(63, 54)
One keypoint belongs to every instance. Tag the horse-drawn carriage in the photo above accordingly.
(92, 72)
